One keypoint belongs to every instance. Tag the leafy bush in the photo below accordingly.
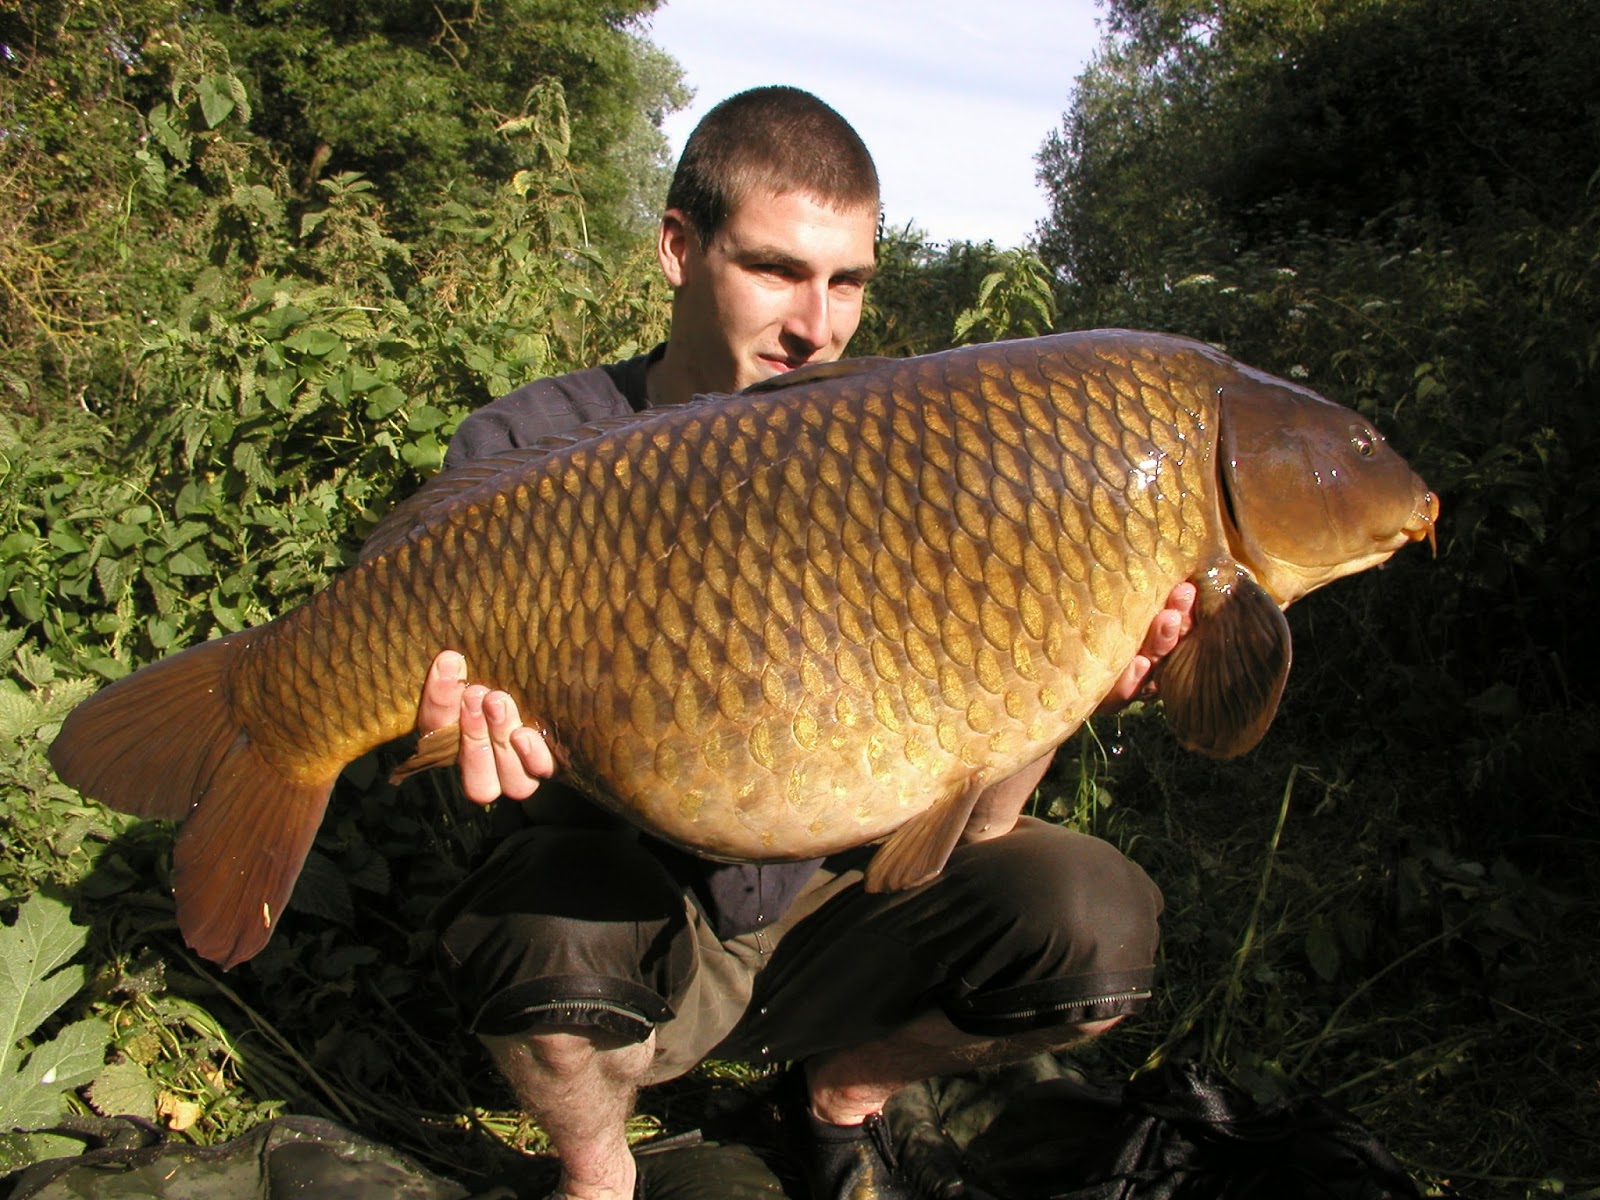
(37, 1072)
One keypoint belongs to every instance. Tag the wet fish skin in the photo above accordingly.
(777, 624)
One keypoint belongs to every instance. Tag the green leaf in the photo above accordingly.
(172, 140)
(315, 342)
(383, 401)
(424, 417)
(229, 618)
(216, 100)
(114, 575)
(63, 538)
(124, 1089)
(19, 715)
(35, 981)
(191, 560)
(73, 1056)
(323, 891)
(248, 458)
(38, 669)
(153, 172)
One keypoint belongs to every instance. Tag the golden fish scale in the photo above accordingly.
(780, 626)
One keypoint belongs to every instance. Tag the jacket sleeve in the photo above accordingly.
(523, 416)
(553, 405)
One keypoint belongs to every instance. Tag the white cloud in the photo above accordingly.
(953, 99)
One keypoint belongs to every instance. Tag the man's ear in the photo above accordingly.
(674, 244)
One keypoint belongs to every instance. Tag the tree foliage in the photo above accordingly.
(1393, 199)
(1210, 129)
(398, 90)
(1397, 202)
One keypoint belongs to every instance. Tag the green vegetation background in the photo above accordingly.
(258, 258)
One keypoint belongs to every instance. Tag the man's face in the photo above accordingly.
(779, 286)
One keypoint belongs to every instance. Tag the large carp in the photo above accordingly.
(766, 626)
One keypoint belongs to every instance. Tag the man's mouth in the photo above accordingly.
(778, 364)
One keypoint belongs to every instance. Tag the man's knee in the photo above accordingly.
(1076, 897)
(536, 941)
(560, 1051)
(1075, 929)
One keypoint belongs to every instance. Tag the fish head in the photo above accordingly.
(1311, 490)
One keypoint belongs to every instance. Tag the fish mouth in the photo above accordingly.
(1424, 521)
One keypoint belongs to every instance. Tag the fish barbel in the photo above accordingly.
(822, 612)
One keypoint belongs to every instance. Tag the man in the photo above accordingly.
(592, 960)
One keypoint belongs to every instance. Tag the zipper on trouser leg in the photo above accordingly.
(617, 1006)
(1042, 1004)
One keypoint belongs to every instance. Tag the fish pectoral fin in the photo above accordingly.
(439, 748)
(918, 850)
(1220, 687)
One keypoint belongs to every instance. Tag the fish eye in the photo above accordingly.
(1364, 440)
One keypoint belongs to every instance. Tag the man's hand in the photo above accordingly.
(1170, 624)
(499, 755)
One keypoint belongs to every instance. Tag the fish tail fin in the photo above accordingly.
(238, 856)
(149, 743)
(165, 742)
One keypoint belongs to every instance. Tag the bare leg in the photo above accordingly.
(579, 1084)
(849, 1085)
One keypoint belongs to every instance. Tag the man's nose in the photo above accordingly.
(809, 316)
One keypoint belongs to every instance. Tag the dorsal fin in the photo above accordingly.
(815, 371)
(447, 488)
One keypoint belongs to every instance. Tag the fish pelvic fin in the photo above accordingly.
(437, 748)
(165, 743)
(918, 850)
(1220, 687)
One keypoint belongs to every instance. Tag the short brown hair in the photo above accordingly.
(774, 139)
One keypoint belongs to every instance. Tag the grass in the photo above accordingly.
(1340, 930)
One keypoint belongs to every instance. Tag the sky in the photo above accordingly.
(953, 97)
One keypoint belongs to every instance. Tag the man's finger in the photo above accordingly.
(441, 692)
(1171, 623)
(480, 779)
(534, 751)
(504, 720)
(1126, 687)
